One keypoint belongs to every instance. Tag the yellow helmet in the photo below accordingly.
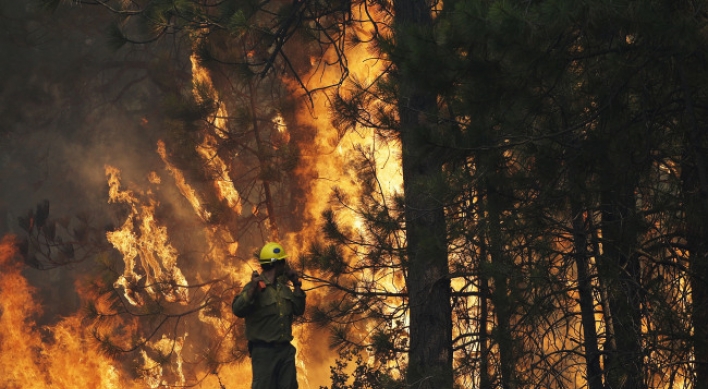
(272, 252)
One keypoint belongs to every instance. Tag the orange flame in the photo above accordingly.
(48, 357)
(150, 245)
(71, 358)
(208, 148)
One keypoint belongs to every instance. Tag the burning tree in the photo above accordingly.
(544, 228)
(555, 174)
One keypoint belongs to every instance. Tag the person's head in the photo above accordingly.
(272, 256)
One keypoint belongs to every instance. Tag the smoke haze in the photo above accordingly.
(71, 109)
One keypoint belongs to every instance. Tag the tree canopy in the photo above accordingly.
(549, 227)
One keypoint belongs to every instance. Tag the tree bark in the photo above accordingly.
(484, 352)
(501, 300)
(694, 177)
(619, 266)
(587, 305)
(428, 282)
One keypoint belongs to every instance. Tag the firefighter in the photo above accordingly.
(269, 305)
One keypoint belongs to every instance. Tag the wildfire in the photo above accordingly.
(208, 148)
(65, 356)
(334, 150)
(334, 158)
(187, 191)
(149, 245)
(59, 356)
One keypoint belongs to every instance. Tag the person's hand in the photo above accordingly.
(257, 285)
(293, 277)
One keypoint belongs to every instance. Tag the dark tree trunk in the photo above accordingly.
(484, 352)
(587, 305)
(263, 159)
(428, 282)
(498, 271)
(694, 176)
(697, 242)
(619, 267)
(501, 299)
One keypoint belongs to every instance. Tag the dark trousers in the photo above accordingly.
(273, 366)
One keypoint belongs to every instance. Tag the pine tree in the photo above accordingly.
(428, 282)
(554, 184)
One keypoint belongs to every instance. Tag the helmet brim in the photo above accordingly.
(269, 261)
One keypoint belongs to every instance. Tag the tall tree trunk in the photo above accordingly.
(500, 293)
(484, 352)
(619, 267)
(428, 282)
(694, 176)
(587, 305)
(697, 242)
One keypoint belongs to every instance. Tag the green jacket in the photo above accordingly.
(269, 313)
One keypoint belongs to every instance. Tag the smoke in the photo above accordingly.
(60, 124)
(81, 121)
(59, 127)
(70, 108)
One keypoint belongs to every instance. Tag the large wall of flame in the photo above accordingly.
(71, 125)
(34, 356)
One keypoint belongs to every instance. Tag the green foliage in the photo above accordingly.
(543, 114)
(327, 258)
(238, 23)
(360, 376)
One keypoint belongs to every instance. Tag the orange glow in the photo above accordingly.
(153, 268)
(331, 151)
(208, 148)
(149, 245)
(332, 160)
(185, 270)
(59, 356)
